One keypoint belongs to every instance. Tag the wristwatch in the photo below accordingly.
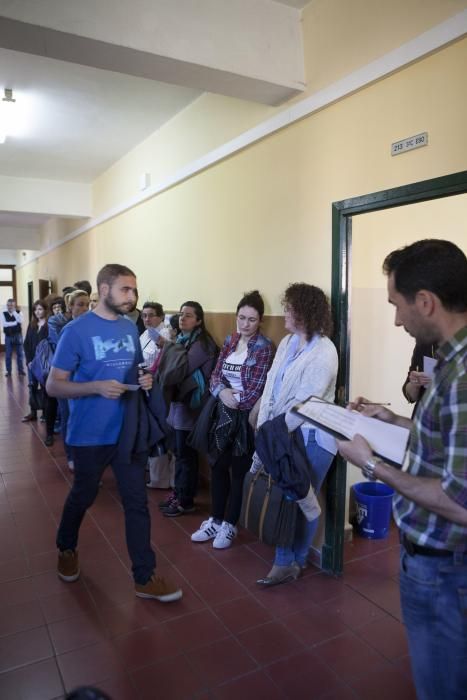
(368, 469)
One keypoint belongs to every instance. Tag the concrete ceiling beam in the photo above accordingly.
(249, 49)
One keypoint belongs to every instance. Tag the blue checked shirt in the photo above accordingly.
(438, 449)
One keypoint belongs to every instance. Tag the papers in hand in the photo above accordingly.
(132, 387)
(429, 364)
(386, 440)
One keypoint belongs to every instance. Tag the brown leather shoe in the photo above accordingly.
(158, 588)
(29, 417)
(68, 566)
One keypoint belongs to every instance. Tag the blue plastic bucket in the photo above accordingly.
(374, 504)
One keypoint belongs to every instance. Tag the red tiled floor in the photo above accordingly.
(303, 673)
(170, 678)
(24, 648)
(386, 684)
(315, 638)
(385, 594)
(386, 635)
(189, 631)
(350, 657)
(119, 688)
(255, 685)
(314, 625)
(222, 661)
(20, 617)
(38, 681)
(89, 665)
(242, 613)
(144, 647)
(268, 642)
(75, 632)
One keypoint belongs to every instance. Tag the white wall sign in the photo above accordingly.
(409, 144)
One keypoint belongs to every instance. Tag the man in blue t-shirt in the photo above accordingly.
(95, 363)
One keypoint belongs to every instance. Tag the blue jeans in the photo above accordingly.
(434, 607)
(319, 462)
(14, 342)
(90, 463)
(186, 469)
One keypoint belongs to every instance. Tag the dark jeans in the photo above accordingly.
(186, 469)
(14, 342)
(90, 463)
(434, 608)
(64, 415)
(227, 477)
(50, 410)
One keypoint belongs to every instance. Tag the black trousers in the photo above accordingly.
(227, 477)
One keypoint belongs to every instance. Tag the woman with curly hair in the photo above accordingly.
(305, 364)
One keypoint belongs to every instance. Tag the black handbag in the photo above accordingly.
(266, 512)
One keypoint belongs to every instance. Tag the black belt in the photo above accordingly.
(412, 548)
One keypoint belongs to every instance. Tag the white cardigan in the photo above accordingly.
(313, 372)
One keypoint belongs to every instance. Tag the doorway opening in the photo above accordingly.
(342, 214)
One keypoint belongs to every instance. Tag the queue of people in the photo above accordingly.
(228, 404)
(182, 369)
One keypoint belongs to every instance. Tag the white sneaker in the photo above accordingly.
(225, 536)
(208, 530)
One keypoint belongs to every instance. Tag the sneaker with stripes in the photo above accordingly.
(207, 531)
(225, 536)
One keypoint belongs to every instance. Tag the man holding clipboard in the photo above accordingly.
(427, 284)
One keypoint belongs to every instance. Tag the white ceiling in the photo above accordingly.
(22, 220)
(298, 4)
(80, 119)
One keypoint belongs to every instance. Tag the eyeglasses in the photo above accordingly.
(148, 315)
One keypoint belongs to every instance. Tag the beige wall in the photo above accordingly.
(380, 353)
(339, 37)
(263, 217)
(342, 36)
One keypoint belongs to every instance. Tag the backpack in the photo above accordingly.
(42, 361)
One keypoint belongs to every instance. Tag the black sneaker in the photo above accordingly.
(49, 441)
(175, 510)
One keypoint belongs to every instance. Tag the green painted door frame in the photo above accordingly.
(342, 212)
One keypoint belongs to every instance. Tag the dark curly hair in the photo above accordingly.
(310, 307)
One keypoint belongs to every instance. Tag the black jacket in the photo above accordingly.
(284, 457)
(32, 340)
(144, 423)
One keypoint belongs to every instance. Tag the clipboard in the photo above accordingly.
(387, 441)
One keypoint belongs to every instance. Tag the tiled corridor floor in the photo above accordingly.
(317, 638)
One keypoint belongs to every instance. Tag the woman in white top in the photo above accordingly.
(305, 364)
(156, 332)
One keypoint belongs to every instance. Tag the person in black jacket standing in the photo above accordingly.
(37, 331)
(12, 319)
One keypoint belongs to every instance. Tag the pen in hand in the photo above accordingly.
(374, 403)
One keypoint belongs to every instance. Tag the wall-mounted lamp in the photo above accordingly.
(7, 114)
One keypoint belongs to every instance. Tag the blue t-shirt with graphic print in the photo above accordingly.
(93, 348)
